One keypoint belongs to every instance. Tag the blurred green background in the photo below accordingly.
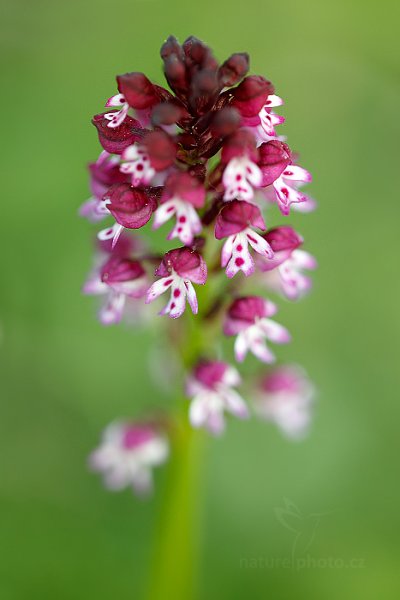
(63, 377)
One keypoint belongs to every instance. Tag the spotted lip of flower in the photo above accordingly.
(183, 194)
(155, 153)
(137, 92)
(241, 173)
(235, 221)
(254, 99)
(286, 396)
(283, 177)
(127, 454)
(288, 263)
(178, 270)
(248, 318)
(210, 387)
(131, 208)
(116, 118)
(268, 119)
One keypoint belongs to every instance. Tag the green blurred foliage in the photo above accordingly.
(63, 377)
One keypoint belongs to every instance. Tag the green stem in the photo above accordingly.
(177, 531)
(177, 534)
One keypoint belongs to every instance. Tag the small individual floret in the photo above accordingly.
(248, 319)
(119, 278)
(241, 173)
(103, 174)
(183, 194)
(178, 270)
(284, 272)
(130, 207)
(285, 397)
(211, 388)
(235, 222)
(281, 179)
(154, 154)
(127, 454)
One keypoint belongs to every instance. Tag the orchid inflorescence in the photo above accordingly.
(204, 156)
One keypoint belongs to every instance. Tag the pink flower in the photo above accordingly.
(139, 92)
(268, 119)
(103, 174)
(251, 95)
(285, 270)
(183, 194)
(235, 221)
(248, 319)
(210, 387)
(274, 157)
(136, 163)
(241, 173)
(155, 153)
(178, 270)
(285, 398)
(119, 278)
(284, 190)
(130, 207)
(127, 454)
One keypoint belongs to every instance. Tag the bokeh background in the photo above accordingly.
(63, 377)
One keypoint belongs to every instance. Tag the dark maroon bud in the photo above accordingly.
(130, 207)
(251, 95)
(235, 216)
(274, 156)
(172, 46)
(174, 65)
(161, 149)
(233, 69)
(118, 269)
(175, 74)
(198, 243)
(139, 92)
(204, 89)
(115, 139)
(198, 55)
(225, 122)
(166, 113)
